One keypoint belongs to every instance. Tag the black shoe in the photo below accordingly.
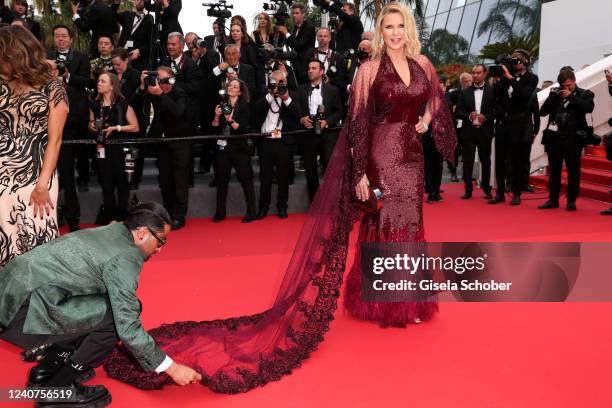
(488, 195)
(248, 218)
(607, 212)
(467, 195)
(82, 397)
(516, 200)
(438, 197)
(218, 218)
(528, 189)
(213, 183)
(454, 178)
(73, 226)
(431, 198)
(178, 224)
(282, 213)
(571, 206)
(548, 205)
(498, 199)
(43, 372)
(262, 213)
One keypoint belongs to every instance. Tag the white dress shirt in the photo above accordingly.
(478, 93)
(315, 100)
(273, 121)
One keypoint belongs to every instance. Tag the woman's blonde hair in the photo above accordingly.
(269, 26)
(412, 46)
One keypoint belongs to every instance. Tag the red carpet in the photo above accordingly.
(470, 355)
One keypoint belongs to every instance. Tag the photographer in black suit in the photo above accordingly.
(514, 126)
(567, 107)
(169, 108)
(95, 16)
(335, 66)
(277, 112)
(20, 12)
(136, 31)
(74, 69)
(321, 109)
(168, 12)
(232, 68)
(350, 27)
(477, 109)
(301, 39)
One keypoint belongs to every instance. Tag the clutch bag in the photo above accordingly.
(372, 204)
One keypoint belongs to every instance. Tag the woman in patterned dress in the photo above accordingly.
(33, 110)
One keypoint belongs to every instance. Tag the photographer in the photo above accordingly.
(567, 107)
(110, 117)
(278, 111)
(168, 13)
(232, 68)
(95, 16)
(514, 125)
(275, 59)
(136, 31)
(73, 67)
(218, 40)
(20, 12)
(321, 109)
(266, 33)
(232, 117)
(106, 45)
(364, 53)
(335, 67)
(301, 39)
(350, 27)
(170, 104)
(240, 38)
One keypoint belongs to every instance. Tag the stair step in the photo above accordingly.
(598, 151)
(595, 176)
(587, 189)
(595, 162)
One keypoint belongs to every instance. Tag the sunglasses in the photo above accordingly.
(160, 242)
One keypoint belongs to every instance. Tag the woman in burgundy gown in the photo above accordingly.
(393, 100)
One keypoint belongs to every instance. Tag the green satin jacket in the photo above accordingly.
(68, 279)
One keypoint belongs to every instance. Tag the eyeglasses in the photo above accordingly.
(160, 242)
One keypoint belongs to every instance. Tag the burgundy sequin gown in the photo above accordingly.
(240, 353)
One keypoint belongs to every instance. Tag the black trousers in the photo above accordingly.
(111, 175)
(509, 146)
(310, 144)
(570, 152)
(75, 129)
(174, 173)
(433, 165)
(470, 141)
(90, 348)
(329, 143)
(274, 154)
(240, 159)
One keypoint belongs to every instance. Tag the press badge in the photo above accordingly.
(276, 134)
(221, 143)
(553, 127)
(101, 152)
(129, 44)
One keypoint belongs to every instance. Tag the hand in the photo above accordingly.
(481, 118)
(218, 111)
(109, 130)
(231, 77)
(507, 73)
(283, 29)
(41, 200)
(134, 54)
(564, 93)
(324, 124)
(230, 117)
(473, 115)
(285, 96)
(183, 375)
(223, 66)
(362, 190)
(421, 127)
(155, 90)
(307, 122)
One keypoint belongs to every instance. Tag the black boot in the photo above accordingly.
(549, 204)
(282, 212)
(54, 360)
(467, 195)
(83, 396)
(262, 213)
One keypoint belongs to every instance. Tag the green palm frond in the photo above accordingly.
(530, 43)
(371, 8)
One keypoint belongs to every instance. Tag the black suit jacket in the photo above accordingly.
(31, 25)
(289, 115)
(141, 36)
(335, 60)
(522, 88)
(242, 116)
(169, 18)
(189, 79)
(168, 112)
(78, 66)
(466, 104)
(349, 35)
(580, 102)
(247, 74)
(331, 101)
(99, 18)
(301, 43)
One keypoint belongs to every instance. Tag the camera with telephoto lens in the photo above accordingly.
(220, 9)
(150, 77)
(506, 60)
(100, 125)
(131, 155)
(556, 90)
(279, 10)
(317, 118)
(359, 55)
(275, 88)
(268, 52)
(60, 63)
(226, 108)
(332, 23)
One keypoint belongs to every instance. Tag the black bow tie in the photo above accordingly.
(322, 52)
(477, 88)
(314, 87)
